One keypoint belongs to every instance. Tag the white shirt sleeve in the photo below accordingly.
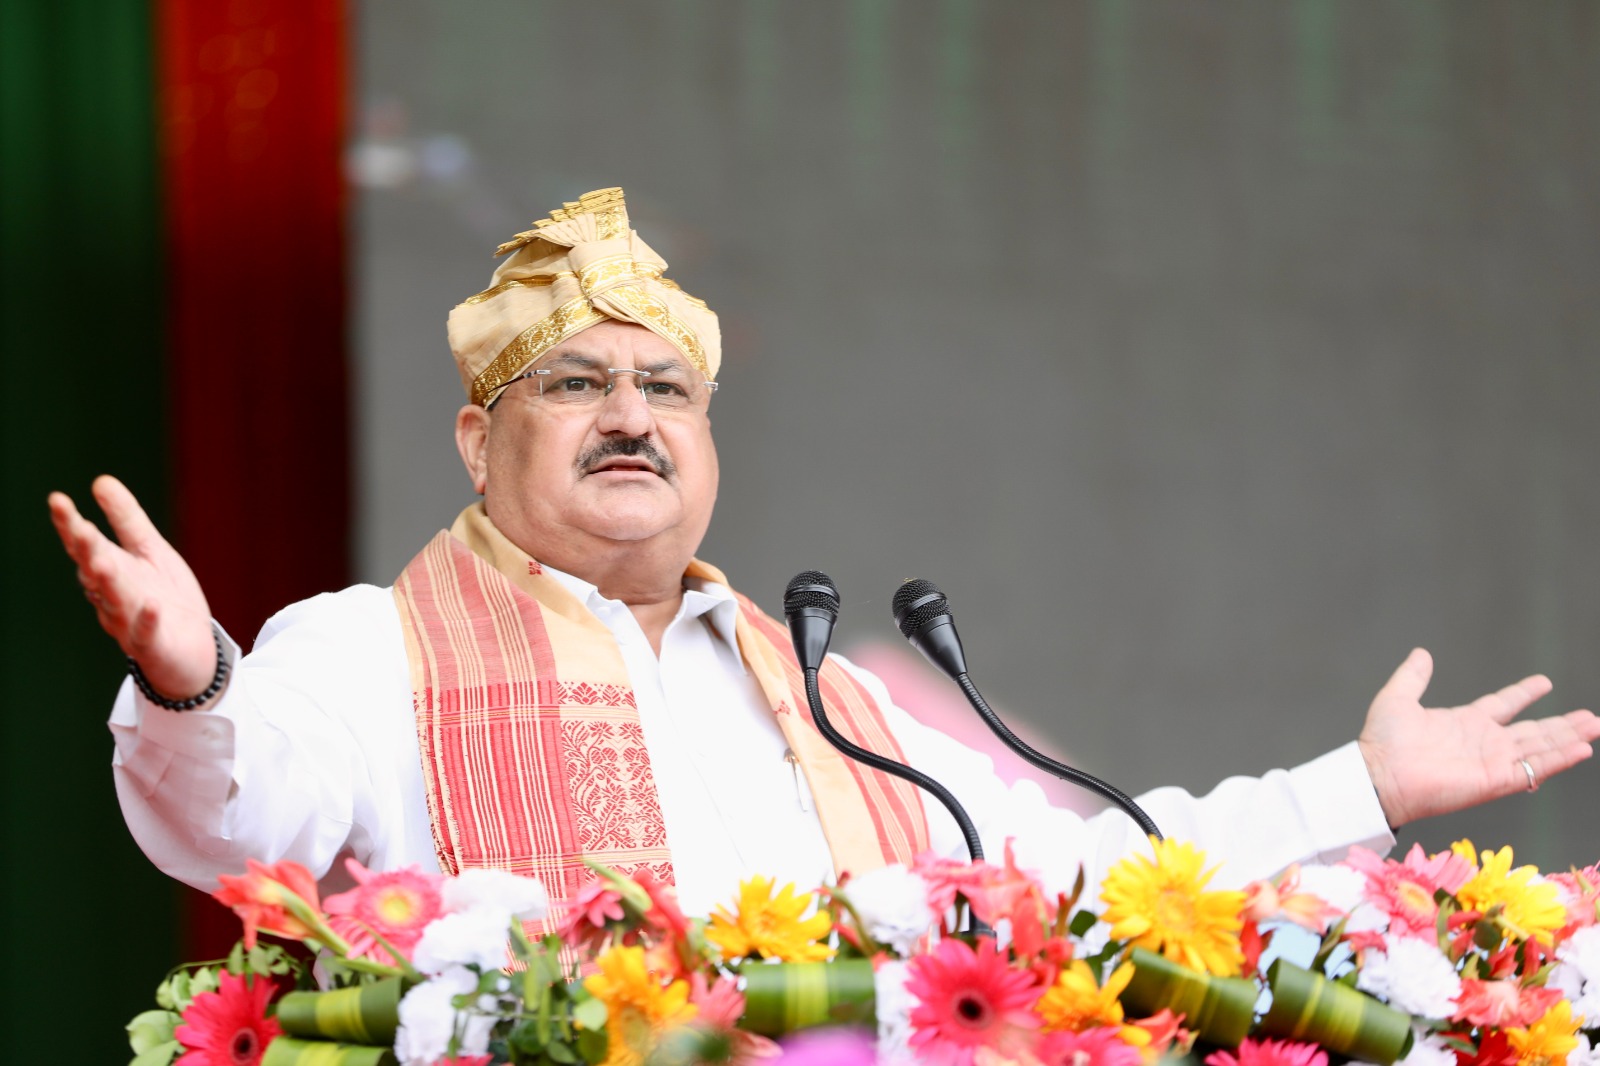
(1249, 827)
(309, 753)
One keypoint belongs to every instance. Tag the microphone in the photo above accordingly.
(811, 605)
(923, 614)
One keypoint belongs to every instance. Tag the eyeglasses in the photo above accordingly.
(581, 384)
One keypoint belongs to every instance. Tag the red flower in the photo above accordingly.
(1270, 1053)
(258, 898)
(970, 999)
(1252, 941)
(664, 915)
(228, 1027)
(1500, 1004)
(1165, 1029)
(1495, 1050)
(996, 893)
(1053, 954)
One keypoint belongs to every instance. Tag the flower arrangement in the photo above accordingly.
(1453, 959)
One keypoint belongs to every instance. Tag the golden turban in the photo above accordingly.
(580, 266)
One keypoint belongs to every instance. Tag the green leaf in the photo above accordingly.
(524, 1040)
(590, 1014)
(150, 1029)
(160, 1055)
(1082, 922)
(1306, 1005)
(208, 979)
(173, 992)
(1220, 1009)
(559, 1052)
(592, 1045)
(236, 959)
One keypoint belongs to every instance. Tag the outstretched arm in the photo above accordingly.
(1427, 761)
(143, 593)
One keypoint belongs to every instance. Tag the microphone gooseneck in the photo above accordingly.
(811, 605)
(923, 614)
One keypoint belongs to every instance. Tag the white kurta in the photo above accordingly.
(311, 754)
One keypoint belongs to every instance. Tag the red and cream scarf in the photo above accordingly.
(533, 757)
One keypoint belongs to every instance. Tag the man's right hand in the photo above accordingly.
(142, 591)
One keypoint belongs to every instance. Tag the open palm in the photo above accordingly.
(144, 594)
(1426, 761)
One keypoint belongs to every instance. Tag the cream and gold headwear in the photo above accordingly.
(580, 266)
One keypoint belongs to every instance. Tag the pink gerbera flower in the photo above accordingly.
(396, 905)
(1404, 890)
(721, 1005)
(228, 1027)
(1101, 1045)
(1580, 892)
(596, 904)
(969, 999)
(1270, 1053)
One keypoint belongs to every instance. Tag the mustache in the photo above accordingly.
(630, 448)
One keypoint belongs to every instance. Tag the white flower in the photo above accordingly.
(428, 1020)
(1344, 889)
(1585, 1054)
(471, 938)
(498, 890)
(1578, 973)
(1427, 1049)
(894, 1005)
(1412, 975)
(893, 905)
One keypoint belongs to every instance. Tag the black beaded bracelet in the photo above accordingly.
(218, 679)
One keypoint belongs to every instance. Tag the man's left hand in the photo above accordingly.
(1427, 761)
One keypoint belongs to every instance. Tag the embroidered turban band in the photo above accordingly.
(580, 266)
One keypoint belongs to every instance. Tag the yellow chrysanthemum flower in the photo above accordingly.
(770, 927)
(639, 1009)
(1077, 1002)
(1162, 905)
(1530, 909)
(1547, 1041)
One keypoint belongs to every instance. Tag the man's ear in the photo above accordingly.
(472, 441)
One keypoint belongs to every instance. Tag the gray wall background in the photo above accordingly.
(1208, 356)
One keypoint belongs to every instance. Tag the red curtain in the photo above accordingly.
(251, 105)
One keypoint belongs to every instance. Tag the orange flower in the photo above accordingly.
(1547, 1041)
(640, 1008)
(260, 898)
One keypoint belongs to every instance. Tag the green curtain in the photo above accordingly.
(89, 925)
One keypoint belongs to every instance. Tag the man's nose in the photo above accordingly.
(625, 409)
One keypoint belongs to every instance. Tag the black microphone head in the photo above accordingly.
(811, 588)
(916, 603)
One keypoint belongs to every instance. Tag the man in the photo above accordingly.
(558, 678)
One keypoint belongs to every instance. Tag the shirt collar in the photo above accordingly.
(702, 598)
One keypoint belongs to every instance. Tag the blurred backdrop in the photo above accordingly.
(1208, 357)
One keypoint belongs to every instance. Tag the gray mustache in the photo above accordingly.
(627, 447)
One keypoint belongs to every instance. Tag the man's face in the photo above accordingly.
(555, 476)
